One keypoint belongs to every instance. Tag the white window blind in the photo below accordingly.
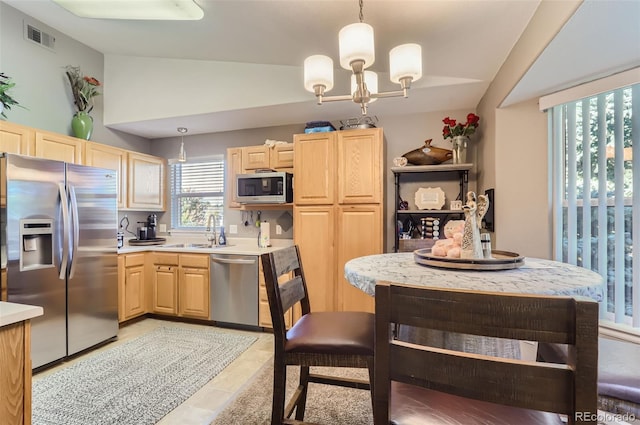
(197, 191)
(594, 178)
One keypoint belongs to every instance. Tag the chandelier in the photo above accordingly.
(356, 54)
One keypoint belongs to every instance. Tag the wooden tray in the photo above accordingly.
(502, 260)
(143, 242)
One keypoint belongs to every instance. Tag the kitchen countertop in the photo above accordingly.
(11, 313)
(237, 246)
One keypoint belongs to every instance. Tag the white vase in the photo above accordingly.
(460, 149)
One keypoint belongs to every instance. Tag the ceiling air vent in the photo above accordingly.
(41, 38)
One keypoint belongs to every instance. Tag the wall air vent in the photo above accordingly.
(39, 37)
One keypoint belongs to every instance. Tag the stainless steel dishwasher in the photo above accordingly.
(234, 288)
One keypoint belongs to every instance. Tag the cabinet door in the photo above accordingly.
(313, 233)
(134, 302)
(15, 377)
(360, 166)
(281, 157)
(194, 292)
(314, 164)
(146, 182)
(15, 138)
(165, 289)
(359, 233)
(59, 147)
(255, 157)
(103, 156)
(234, 167)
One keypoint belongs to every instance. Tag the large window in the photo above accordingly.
(595, 140)
(197, 191)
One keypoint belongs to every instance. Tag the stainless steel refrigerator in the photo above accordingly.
(58, 233)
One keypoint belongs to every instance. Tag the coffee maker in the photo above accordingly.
(152, 223)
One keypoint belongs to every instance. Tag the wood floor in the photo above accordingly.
(203, 406)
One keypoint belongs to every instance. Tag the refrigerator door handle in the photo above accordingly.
(76, 229)
(64, 203)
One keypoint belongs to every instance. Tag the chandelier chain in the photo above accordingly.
(361, 16)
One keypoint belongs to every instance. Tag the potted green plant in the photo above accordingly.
(6, 101)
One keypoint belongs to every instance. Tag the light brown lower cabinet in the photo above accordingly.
(131, 286)
(180, 285)
(15, 374)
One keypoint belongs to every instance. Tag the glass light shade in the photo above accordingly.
(405, 61)
(370, 79)
(166, 10)
(356, 42)
(318, 70)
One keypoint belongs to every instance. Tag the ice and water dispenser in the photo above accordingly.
(36, 237)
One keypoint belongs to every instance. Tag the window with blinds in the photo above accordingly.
(594, 142)
(197, 191)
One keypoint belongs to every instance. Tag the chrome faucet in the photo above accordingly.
(211, 229)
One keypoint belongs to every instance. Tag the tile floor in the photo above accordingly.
(203, 406)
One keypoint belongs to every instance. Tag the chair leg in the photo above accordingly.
(304, 384)
(279, 390)
(370, 366)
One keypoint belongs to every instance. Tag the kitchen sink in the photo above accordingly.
(194, 245)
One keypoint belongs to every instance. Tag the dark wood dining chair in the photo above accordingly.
(333, 339)
(419, 384)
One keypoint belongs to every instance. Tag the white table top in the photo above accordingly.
(11, 313)
(536, 276)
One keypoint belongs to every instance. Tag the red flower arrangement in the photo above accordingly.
(452, 129)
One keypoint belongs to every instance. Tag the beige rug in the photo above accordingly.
(326, 404)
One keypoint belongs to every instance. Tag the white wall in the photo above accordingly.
(41, 84)
(513, 149)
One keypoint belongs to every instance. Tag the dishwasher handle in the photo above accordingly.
(232, 261)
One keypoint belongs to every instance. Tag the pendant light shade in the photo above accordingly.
(356, 43)
(182, 155)
(318, 71)
(405, 61)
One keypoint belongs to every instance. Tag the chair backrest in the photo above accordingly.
(283, 294)
(564, 389)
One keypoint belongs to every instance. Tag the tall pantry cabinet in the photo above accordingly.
(337, 213)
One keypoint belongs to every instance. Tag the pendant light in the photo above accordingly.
(356, 54)
(182, 155)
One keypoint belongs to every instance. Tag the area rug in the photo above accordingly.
(137, 382)
(326, 404)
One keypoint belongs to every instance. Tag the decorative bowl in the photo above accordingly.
(428, 155)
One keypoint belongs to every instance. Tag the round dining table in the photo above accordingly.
(535, 276)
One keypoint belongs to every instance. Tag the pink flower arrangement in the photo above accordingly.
(452, 128)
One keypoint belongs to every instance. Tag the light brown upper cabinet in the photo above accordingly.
(255, 157)
(15, 138)
(359, 166)
(58, 147)
(234, 166)
(281, 157)
(314, 165)
(146, 190)
(103, 156)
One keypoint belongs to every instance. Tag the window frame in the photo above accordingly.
(175, 198)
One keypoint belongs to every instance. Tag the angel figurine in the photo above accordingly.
(475, 208)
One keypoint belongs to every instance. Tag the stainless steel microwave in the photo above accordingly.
(264, 188)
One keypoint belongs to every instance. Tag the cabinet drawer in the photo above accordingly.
(169, 259)
(194, 260)
(134, 260)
